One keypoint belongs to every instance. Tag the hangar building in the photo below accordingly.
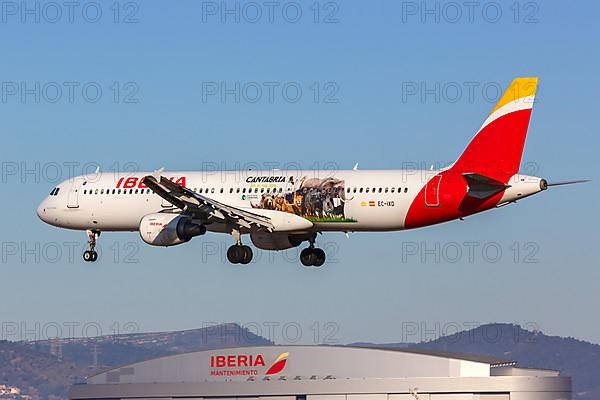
(323, 373)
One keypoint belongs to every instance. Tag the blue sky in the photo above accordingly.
(154, 111)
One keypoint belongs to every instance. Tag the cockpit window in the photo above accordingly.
(54, 191)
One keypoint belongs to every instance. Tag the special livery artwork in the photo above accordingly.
(318, 200)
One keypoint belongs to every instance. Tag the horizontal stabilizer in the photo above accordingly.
(482, 187)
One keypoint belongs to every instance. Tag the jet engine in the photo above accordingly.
(276, 241)
(162, 229)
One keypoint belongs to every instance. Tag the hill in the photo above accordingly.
(575, 358)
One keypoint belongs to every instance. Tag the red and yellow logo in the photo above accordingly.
(244, 364)
(278, 365)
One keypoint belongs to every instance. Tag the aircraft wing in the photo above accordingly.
(203, 207)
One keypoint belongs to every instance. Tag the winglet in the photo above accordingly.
(157, 174)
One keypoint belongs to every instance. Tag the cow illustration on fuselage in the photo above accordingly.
(313, 198)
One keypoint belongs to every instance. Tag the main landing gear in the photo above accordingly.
(91, 255)
(312, 256)
(239, 253)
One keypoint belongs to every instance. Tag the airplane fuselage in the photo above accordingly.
(351, 200)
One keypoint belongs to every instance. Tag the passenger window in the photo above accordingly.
(255, 190)
(393, 190)
(237, 190)
(280, 190)
(212, 190)
(380, 190)
(360, 190)
(200, 190)
(387, 190)
(221, 191)
(136, 191)
(244, 190)
(399, 190)
(231, 190)
(101, 191)
(130, 191)
(367, 190)
(84, 191)
(405, 190)
(96, 191)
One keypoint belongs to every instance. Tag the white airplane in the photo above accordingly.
(280, 210)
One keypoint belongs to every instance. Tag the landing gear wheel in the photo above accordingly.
(239, 254)
(312, 257)
(90, 256)
(246, 255)
(320, 257)
(235, 254)
(307, 257)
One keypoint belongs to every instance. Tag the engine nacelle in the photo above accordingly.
(163, 229)
(275, 241)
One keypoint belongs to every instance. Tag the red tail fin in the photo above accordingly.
(496, 149)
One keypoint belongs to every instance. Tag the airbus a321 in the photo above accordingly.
(281, 210)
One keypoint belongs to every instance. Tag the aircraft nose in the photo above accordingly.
(41, 211)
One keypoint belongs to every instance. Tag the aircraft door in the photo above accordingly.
(432, 192)
(73, 197)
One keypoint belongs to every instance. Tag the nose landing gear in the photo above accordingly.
(91, 255)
